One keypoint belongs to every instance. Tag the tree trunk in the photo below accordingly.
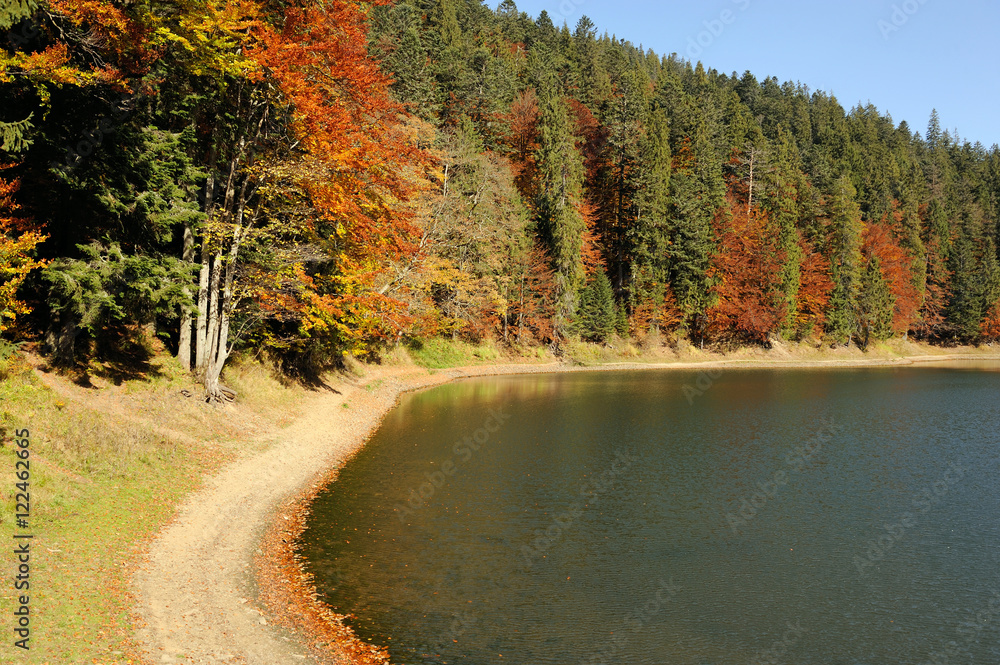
(61, 338)
(201, 331)
(212, 341)
(220, 342)
(184, 343)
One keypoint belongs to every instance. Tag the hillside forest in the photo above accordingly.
(304, 179)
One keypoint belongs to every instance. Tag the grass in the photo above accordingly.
(439, 353)
(109, 465)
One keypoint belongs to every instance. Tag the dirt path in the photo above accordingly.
(196, 592)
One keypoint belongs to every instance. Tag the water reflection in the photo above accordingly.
(447, 581)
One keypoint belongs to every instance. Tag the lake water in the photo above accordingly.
(823, 517)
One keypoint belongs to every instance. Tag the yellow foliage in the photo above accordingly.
(15, 264)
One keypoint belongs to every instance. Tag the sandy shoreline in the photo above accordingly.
(222, 583)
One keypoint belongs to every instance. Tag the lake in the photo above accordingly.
(814, 516)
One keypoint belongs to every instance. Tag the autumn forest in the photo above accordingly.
(309, 178)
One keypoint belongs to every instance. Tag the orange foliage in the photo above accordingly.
(591, 253)
(746, 269)
(122, 40)
(878, 241)
(665, 314)
(359, 158)
(522, 121)
(815, 287)
(17, 239)
(533, 312)
(590, 135)
(990, 327)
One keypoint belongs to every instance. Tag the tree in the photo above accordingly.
(895, 266)
(875, 304)
(844, 250)
(315, 106)
(746, 271)
(18, 237)
(107, 291)
(522, 141)
(815, 287)
(597, 315)
(691, 238)
(649, 234)
(560, 221)
(477, 239)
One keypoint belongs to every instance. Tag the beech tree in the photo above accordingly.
(18, 237)
(746, 271)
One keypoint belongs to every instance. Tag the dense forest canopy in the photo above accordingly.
(314, 177)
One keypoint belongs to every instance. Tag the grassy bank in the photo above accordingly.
(109, 464)
(656, 350)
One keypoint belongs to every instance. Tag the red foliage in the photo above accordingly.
(532, 315)
(815, 287)
(358, 156)
(665, 314)
(747, 271)
(522, 138)
(879, 241)
(990, 327)
(592, 253)
(590, 135)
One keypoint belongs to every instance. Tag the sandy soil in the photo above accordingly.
(197, 592)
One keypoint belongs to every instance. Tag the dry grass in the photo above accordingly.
(110, 461)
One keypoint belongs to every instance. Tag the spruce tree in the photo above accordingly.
(648, 236)
(844, 250)
(875, 304)
(597, 316)
(560, 169)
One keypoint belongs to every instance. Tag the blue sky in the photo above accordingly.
(904, 56)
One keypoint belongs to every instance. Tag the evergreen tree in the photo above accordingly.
(875, 304)
(648, 235)
(560, 170)
(597, 316)
(844, 250)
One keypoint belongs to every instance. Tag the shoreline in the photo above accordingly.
(241, 529)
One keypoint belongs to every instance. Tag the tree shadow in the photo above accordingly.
(125, 354)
